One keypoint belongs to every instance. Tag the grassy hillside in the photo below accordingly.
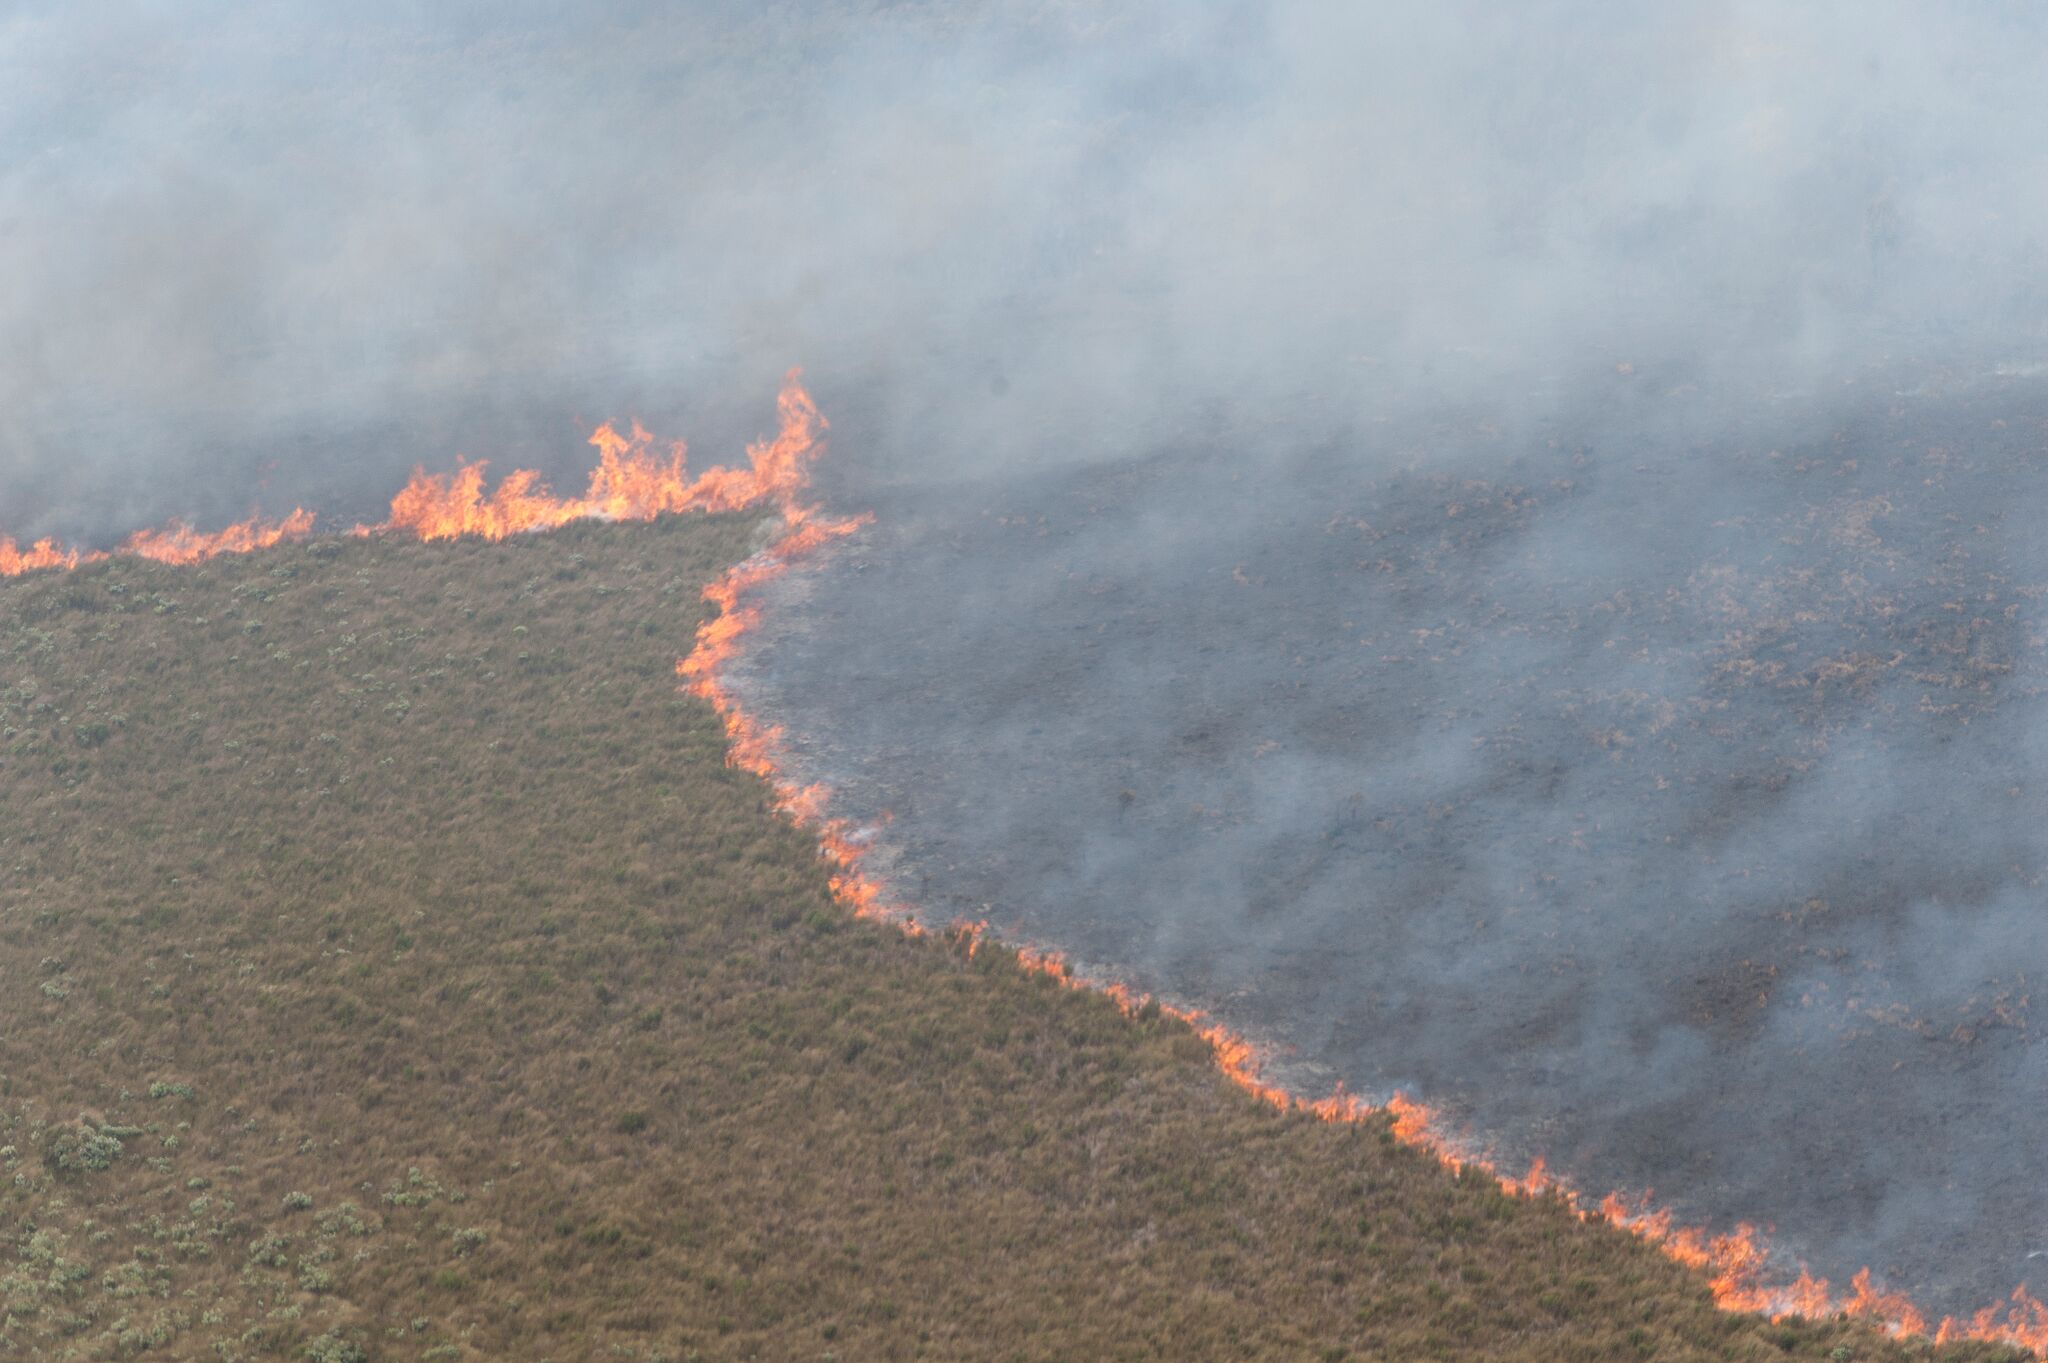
(390, 968)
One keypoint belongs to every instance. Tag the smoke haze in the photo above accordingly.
(1016, 234)
(1490, 545)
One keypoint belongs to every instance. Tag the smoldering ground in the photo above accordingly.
(1506, 559)
(1676, 819)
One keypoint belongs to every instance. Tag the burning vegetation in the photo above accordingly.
(632, 481)
(635, 481)
(176, 543)
(1666, 805)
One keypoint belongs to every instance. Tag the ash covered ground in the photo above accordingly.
(1666, 799)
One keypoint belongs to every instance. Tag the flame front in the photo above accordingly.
(180, 543)
(44, 553)
(175, 543)
(633, 480)
(777, 471)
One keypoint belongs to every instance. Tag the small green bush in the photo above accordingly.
(81, 1146)
(334, 1349)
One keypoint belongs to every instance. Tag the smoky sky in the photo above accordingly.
(1488, 545)
(304, 247)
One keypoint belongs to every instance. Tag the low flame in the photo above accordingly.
(180, 543)
(635, 481)
(1735, 1265)
(175, 543)
(778, 467)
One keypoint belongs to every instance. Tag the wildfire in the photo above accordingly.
(777, 471)
(1735, 1265)
(15, 560)
(633, 480)
(180, 543)
(175, 543)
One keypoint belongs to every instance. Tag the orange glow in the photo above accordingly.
(175, 543)
(2024, 1321)
(777, 473)
(15, 560)
(1735, 1266)
(180, 543)
(633, 480)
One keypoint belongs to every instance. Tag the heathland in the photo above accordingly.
(391, 967)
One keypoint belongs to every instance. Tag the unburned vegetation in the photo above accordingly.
(391, 968)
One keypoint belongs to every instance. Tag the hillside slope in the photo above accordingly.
(390, 967)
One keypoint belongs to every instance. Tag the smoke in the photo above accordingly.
(1488, 544)
(1668, 807)
(1012, 234)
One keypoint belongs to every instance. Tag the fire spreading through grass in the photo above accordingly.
(1736, 1265)
(173, 543)
(633, 480)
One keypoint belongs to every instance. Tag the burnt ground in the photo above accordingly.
(1658, 789)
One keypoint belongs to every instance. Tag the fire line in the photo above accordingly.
(633, 480)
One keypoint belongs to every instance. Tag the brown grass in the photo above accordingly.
(447, 997)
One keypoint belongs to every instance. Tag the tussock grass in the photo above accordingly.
(390, 968)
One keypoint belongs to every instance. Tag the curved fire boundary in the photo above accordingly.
(1736, 1265)
(632, 482)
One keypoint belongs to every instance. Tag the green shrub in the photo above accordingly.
(334, 1349)
(81, 1146)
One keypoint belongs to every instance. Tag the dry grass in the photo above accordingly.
(387, 924)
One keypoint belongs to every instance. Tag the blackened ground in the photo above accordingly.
(1658, 790)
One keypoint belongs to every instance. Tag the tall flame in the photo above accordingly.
(635, 481)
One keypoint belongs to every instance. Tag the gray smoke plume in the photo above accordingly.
(1490, 545)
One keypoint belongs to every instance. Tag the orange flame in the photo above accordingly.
(175, 543)
(44, 553)
(180, 543)
(634, 482)
(1735, 1265)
